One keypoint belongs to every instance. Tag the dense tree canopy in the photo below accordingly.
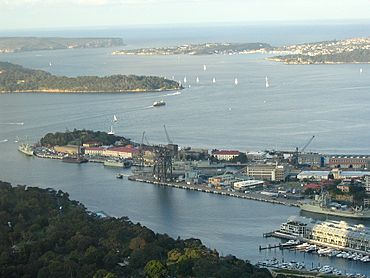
(44, 234)
(15, 78)
(76, 137)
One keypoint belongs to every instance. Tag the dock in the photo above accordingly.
(207, 189)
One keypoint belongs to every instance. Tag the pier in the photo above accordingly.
(207, 189)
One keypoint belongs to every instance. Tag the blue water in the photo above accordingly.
(328, 101)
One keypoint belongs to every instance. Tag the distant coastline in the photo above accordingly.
(22, 44)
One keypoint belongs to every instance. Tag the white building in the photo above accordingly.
(313, 175)
(243, 185)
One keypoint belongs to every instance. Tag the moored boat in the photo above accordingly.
(26, 149)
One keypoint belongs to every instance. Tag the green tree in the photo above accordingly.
(155, 269)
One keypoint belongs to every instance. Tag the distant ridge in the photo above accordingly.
(20, 44)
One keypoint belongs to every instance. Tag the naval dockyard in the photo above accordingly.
(328, 185)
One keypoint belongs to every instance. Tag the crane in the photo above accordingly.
(295, 157)
(169, 141)
(308, 143)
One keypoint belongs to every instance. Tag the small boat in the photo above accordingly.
(115, 119)
(159, 103)
(197, 80)
(119, 176)
(185, 79)
(360, 70)
(214, 80)
(267, 82)
(204, 67)
(236, 81)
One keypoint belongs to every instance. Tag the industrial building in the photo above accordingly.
(269, 172)
(349, 162)
(313, 175)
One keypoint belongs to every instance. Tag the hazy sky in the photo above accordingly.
(19, 14)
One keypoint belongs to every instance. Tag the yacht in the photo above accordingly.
(111, 132)
(214, 80)
(236, 81)
(267, 82)
(204, 67)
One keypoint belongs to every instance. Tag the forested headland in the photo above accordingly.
(15, 78)
(45, 234)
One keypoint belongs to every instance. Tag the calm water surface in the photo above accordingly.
(327, 101)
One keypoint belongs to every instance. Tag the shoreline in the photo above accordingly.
(56, 91)
(206, 189)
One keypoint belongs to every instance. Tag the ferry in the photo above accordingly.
(159, 103)
(26, 149)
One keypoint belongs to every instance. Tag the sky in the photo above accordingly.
(28, 14)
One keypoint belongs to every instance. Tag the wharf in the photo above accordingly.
(207, 189)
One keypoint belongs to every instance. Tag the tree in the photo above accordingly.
(155, 269)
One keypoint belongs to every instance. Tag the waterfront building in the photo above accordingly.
(247, 184)
(95, 151)
(311, 159)
(367, 184)
(121, 152)
(341, 175)
(342, 234)
(225, 154)
(270, 172)
(349, 162)
(69, 149)
(313, 175)
(295, 228)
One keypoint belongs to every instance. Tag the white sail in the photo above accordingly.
(115, 119)
(360, 70)
(185, 79)
(50, 64)
(204, 67)
(197, 80)
(214, 80)
(267, 82)
(236, 81)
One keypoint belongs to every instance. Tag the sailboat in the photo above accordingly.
(185, 79)
(197, 80)
(214, 80)
(267, 82)
(111, 132)
(115, 119)
(360, 70)
(236, 81)
(204, 67)
(50, 64)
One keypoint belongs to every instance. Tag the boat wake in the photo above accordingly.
(172, 94)
(21, 123)
(4, 141)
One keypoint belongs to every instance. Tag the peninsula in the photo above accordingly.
(15, 78)
(20, 44)
(45, 234)
(355, 50)
(200, 49)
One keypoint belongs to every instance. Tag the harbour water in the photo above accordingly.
(327, 101)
